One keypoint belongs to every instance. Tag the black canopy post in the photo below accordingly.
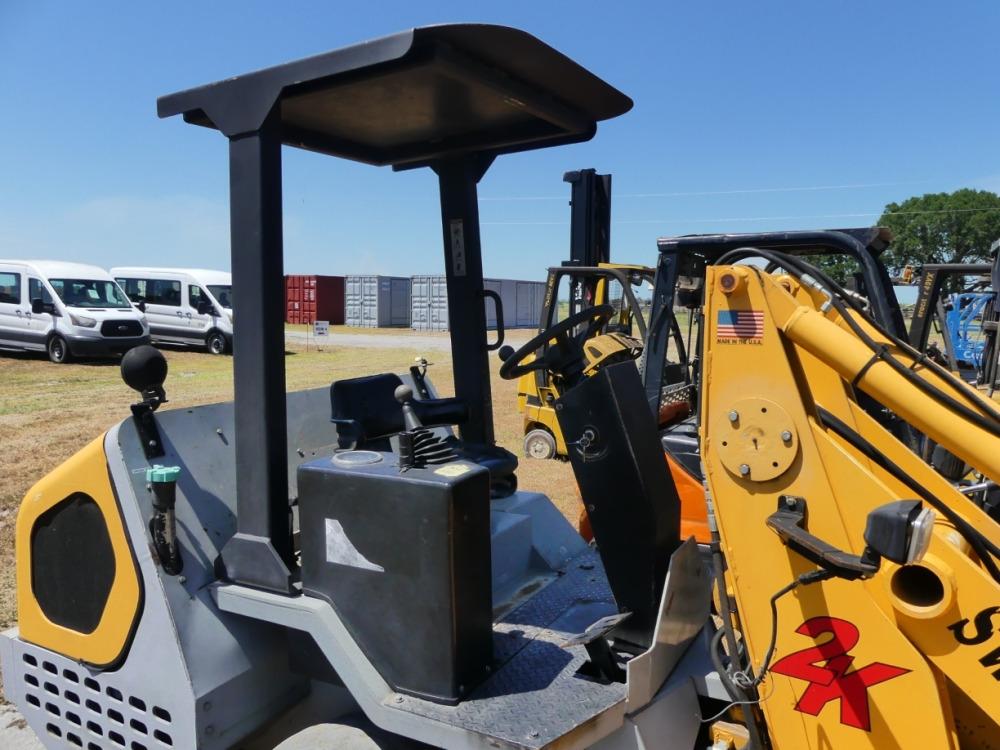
(463, 262)
(260, 554)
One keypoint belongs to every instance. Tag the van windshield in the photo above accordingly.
(223, 294)
(89, 293)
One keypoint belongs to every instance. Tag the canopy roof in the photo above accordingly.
(413, 97)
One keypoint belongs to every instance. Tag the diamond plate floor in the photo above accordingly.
(535, 696)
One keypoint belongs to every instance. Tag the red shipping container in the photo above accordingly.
(312, 298)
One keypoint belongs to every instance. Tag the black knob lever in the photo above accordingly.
(404, 395)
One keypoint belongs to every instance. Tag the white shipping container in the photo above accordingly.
(377, 301)
(429, 303)
(521, 300)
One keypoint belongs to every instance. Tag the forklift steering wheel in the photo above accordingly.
(565, 351)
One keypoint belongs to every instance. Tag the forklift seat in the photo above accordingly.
(367, 414)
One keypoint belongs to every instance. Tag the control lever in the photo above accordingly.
(404, 395)
(418, 372)
(144, 369)
(163, 525)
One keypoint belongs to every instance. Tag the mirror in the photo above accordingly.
(141, 305)
(206, 308)
(38, 307)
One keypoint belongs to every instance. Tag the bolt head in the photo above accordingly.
(744, 469)
(787, 436)
(734, 416)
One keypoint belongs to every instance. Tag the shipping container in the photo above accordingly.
(377, 301)
(310, 298)
(522, 303)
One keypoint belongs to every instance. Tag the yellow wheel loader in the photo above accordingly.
(355, 567)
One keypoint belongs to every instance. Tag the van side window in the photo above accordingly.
(135, 289)
(10, 288)
(37, 290)
(163, 292)
(195, 295)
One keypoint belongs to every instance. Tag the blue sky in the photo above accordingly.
(748, 116)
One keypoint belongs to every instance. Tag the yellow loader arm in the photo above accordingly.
(908, 656)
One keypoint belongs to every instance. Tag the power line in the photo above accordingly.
(733, 219)
(739, 191)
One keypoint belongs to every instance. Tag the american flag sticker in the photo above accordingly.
(746, 325)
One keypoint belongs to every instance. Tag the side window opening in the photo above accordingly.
(37, 290)
(135, 289)
(162, 292)
(10, 288)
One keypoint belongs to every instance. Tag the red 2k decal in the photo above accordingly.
(832, 681)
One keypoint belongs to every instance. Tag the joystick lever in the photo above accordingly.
(404, 395)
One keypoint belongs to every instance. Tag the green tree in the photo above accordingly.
(954, 227)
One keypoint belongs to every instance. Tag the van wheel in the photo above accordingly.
(216, 343)
(58, 350)
(539, 444)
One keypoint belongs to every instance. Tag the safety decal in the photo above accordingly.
(740, 327)
(825, 668)
(453, 470)
(341, 550)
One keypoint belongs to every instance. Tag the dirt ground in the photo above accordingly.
(48, 412)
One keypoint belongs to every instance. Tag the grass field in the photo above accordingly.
(48, 412)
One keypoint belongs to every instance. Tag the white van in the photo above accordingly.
(189, 306)
(67, 310)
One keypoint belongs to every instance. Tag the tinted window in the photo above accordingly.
(37, 290)
(163, 292)
(195, 295)
(134, 288)
(10, 287)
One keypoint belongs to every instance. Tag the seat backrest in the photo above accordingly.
(626, 486)
(365, 410)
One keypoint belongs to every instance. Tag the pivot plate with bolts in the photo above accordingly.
(756, 439)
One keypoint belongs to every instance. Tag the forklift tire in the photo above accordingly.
(58, 350)
(215, 342)
(539, 444)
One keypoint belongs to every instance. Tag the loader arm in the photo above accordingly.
(906, 657)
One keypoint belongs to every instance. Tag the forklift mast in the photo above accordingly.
(589, 233)
(929, 288)
(590, 219)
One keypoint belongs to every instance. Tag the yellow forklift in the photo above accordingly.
(337, 568)
(568, 290)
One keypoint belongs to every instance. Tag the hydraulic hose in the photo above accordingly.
(840, 299)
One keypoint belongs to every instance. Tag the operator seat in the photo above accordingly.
(367, 414)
